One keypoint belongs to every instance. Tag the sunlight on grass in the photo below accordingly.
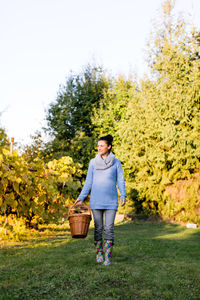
(181, 233)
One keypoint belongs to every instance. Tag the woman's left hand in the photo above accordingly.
(123, 202)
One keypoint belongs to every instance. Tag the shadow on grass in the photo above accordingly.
(125, 230)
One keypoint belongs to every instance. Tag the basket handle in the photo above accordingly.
(82, 205)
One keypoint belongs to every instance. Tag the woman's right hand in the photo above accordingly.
(77, 202)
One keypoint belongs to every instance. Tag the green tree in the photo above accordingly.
(156, 125)
(69, 118)
(162, 130)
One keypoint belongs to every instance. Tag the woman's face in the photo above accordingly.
(103, 147)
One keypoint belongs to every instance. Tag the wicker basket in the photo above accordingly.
(79, 221)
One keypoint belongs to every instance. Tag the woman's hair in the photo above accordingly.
(108, 138)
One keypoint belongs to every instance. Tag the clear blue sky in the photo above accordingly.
(43, 40)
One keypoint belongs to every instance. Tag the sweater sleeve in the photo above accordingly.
(88, 183)
(121, 181)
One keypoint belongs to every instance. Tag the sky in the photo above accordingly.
(42, 41)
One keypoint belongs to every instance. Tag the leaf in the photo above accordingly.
(16, 187)
(15, 204)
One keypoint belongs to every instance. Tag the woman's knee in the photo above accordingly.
(98, 227)
(98, 231)
(109, 231)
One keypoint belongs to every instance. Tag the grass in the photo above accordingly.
(150, 261)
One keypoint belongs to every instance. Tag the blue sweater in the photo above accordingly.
(102, 184)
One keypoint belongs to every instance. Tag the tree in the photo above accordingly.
(156, 126)
(36, 149)
(69, 118)
(162, 131)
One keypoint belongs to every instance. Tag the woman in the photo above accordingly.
(104, 172)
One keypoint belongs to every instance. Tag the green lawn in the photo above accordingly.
(150, 261)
